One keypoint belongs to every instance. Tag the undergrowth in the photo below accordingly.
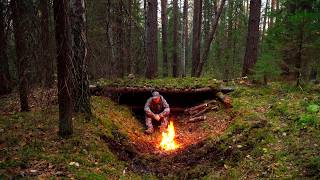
(275, 135)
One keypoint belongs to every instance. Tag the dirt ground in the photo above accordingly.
(187, 134)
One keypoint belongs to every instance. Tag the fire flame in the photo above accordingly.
(167, 142)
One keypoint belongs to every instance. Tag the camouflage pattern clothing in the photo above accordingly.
(153, 108)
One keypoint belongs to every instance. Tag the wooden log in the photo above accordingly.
(226, 100)
(205, 111)
(196, 119)
(132, 89)
(197, 108)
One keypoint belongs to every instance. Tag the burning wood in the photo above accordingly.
(168, 143)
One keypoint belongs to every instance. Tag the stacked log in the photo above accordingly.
(197, 113)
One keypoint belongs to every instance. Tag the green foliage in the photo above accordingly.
(308, 119)
(313, 108)
(267, 67)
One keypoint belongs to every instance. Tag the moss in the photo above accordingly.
(188, 82)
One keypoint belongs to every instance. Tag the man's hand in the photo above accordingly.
(157, 117)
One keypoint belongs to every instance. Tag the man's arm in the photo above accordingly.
(166, 110)
(147, 110)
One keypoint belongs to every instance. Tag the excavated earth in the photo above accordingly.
(143, 154)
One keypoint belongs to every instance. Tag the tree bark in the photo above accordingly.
(209, 40)
(273, 9)
(251, 53)
(129, 41)
(164, 22)
(264, 23)
(81, 93)
(64, 65)
(196, 32)
(175, 39)
(185, 40)
(4, 65)
(118, 37)
(152, 45)
(47, 60)
(20, 25)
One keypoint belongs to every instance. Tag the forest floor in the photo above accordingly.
(271, 132)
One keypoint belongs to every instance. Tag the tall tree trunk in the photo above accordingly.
(264, 23)
(81, 94)
(209, 40)
(109, 43)
(4, 65)
(164, 22)
(196, 35)
(64, 65)
(175, 39)
(273, 9)
(152, 45)
(129, 36)
(118, 37)
(299, 61)
(47, 60)
(207, 18)
(20, 25)
(185, 40)
(251, 53)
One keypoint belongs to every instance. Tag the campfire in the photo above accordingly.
(167, 142)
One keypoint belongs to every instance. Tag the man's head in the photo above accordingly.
(156, 97)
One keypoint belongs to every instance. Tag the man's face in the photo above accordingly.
(156, 99)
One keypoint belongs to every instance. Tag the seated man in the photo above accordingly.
(156, 108)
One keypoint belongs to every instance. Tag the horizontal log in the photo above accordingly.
(207, 109)
(196, 109)
(96, 89)
(197, 119)
(226, 100)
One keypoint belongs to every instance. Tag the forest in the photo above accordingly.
(160, 89)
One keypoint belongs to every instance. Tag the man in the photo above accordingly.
(158, 109)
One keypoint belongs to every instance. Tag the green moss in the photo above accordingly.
(188, 82)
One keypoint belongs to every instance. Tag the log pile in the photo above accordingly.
(197, 113)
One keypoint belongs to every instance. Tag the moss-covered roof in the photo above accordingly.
(179, 83)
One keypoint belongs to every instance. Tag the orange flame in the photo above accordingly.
(167, 142)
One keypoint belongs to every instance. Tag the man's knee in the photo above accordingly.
(148, 121)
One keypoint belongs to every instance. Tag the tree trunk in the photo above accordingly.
(81, 94)
(64, 65)
(152, 45)
(185, 40)
(175, 39)
(20, 25)
(209, 40)
(251, 53)
(109, 42)
(164, 22)
(196, 32)
(4, 65)
(299, 61)
(264, 23)
(118, 37)
(129, 43)
(47, 60)
(273, 9)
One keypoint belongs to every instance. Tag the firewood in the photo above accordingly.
(210, 108)
(198, 108)
(226, 100)
(197, 119)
